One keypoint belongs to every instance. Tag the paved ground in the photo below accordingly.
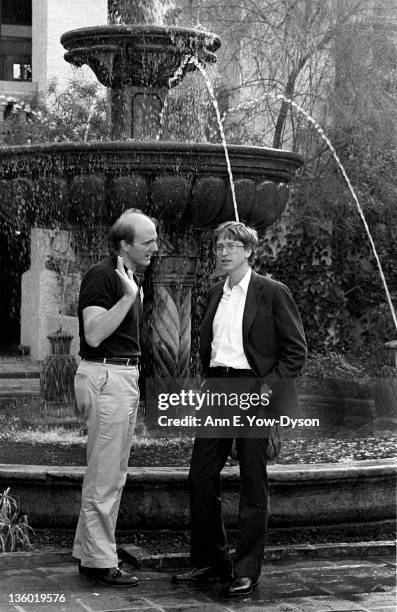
(353, 584)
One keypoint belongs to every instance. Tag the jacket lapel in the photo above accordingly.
(206, 326)
(254, 296)
(213, 304)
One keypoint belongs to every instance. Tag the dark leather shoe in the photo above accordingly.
(113, 576)
(200, 575)
(242, 586)
(116, 577)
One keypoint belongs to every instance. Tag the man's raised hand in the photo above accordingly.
(127, 279)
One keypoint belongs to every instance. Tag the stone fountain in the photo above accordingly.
(185, 185)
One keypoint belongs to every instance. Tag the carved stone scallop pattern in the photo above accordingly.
(165, 333)
(184, 332)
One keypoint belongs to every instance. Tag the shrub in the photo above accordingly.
(332, 374)
(15, 532)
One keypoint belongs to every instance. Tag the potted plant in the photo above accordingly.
(59, 368)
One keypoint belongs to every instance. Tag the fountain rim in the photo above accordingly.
(133, 31)
(164, 147)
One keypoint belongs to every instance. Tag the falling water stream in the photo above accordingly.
(193, 60)
(175, 77)
(207, 80)
(321, 132)
(311, 120)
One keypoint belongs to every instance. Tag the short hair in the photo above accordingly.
(123, 229)
(238, 231)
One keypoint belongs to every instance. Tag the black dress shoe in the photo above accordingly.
(113, 576)
(202, 574)
(242, 586)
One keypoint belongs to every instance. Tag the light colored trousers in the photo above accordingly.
(107, 397)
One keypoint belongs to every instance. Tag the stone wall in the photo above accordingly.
(359, 492)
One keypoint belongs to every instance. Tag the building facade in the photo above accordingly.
(31, 55)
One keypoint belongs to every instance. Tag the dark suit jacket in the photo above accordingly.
(273, 338)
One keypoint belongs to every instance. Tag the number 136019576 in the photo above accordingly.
(36, 597)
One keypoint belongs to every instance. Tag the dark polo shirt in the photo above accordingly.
(102, 287)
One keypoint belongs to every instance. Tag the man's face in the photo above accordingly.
(231, 254)
(140, 251)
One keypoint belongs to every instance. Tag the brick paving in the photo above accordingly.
(322, 585)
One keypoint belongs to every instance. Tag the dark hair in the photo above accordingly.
(123, 229)
(238, 231)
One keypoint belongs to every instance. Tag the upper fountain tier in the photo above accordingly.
(138, 55)
(139, 63)
(176, 181)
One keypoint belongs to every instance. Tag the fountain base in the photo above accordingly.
(158, 498)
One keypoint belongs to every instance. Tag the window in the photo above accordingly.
(16, 12)
(22, 72)
(15, 40)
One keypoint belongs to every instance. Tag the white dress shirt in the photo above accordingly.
(227, 328)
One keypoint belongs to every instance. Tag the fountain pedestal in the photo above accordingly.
(136, 112)
(173, 276)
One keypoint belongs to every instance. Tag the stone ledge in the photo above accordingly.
(371, 468)
(155, 498)
(337, 550)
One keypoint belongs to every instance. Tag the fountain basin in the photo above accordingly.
(158, 498)
(180, 182)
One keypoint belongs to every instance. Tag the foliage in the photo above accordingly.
(311, 280)
(331, 374)
(334, 365)
(78, 113)
(15, 532)
(284, 47)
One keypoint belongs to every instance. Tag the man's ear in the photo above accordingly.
(248, 251)
(124, 245)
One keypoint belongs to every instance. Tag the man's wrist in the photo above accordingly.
(128, 299)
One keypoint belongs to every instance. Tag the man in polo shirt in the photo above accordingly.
(107, 393)
(251, 330)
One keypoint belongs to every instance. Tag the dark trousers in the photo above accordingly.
(209, 545)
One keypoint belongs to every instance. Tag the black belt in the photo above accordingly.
(224, 371)
(127, 361)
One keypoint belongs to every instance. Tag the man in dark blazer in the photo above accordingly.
(251, 329)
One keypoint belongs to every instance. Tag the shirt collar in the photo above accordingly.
(243, 284)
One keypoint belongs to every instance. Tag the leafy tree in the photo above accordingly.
(336, 59)
(76, 114)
